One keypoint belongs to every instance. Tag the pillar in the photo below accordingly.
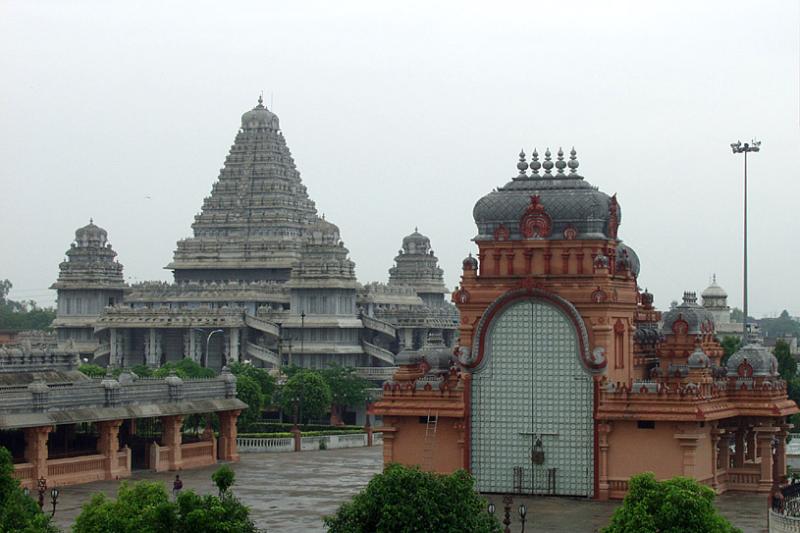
(716, 437)
(751, 445)
(738, 457)
(780, 453)
(688, 442)
(36, 449)
(725, 451)
(763, 439)
(114, 355)
(603, 430)
(227, 435)
(171, 437)
(233, 349)
(108, 446)
(153, 348)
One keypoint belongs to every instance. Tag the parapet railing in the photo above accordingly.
(108, 392)
(376, 373)
(379, 325)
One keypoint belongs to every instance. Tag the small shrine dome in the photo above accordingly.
(627, 259)
(697, 320)
(714, 291)
(91, 235)
(752, 359)
(550, 203)
(260, 117)
(321, 231)
(416, 243)
(470, 263)
(698, 359)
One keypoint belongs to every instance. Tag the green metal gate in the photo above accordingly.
(532, 386)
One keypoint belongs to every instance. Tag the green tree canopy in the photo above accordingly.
(787, 366)
(409, 500)
(309, 391)
(347, 389)
(145, 507)
(264, 379)
(93, 371)
(676, 505)
(18, 513)
(21, 316)
(185, 368)
(249, 392)
(780, 326)
(729, 346)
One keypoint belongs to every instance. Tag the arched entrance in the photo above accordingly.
(532, 393)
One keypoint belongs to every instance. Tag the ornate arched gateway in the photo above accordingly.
(532, 401)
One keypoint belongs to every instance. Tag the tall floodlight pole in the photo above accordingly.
(739, 148)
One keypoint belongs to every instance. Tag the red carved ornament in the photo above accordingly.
(535, 223)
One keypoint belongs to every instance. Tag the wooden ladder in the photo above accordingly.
(431, 425)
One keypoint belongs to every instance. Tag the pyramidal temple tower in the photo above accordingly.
(251, 227)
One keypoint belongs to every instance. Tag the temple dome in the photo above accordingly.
(698, 320)
(627, 258)
(416, 243)
(91, 235)
(260, 117)
(569, 206)
(755, 354)
(714, 290)
(698, 359)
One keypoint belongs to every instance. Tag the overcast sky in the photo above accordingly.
(402, 115)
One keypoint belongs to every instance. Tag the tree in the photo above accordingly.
(783, 325)
(264, 379)
(787, 366)
(410, 500)
(737, 315)
(347, 389)
(185, 368)
(308, 392)
(249, 392)
(223, 478)
(730, 345)
(18, 512)
(145, 507)
(93, 371)
(676, 505)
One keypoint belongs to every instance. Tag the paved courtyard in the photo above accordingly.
(290, 492)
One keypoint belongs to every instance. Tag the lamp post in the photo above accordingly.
(41, 488)
(208, 341)
(302, 329)
(523, 512)
(507, 501)
(54, 500)
(739, 148)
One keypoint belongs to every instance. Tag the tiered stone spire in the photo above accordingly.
(257, 211)
(416, 266)
(90, 262)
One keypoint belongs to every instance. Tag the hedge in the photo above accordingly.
(284, 434)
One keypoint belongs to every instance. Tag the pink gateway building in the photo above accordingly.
(566, 380)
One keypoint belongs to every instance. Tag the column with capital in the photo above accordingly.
(36, 449)
(108, 446)
(764, 436)
(603, 430)
(688, 442)
(227, 435)
(172, 437)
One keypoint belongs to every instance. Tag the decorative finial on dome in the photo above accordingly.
(261, 98)
(714, 278)
(91, 220)
(573, 162)
(548, 163)
(522, 165)
(535, 164)
(416, 229)
(560, 163)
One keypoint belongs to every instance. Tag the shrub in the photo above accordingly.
(676, 505)
(408, 499)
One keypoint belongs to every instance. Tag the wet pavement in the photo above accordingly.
(291, 492)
